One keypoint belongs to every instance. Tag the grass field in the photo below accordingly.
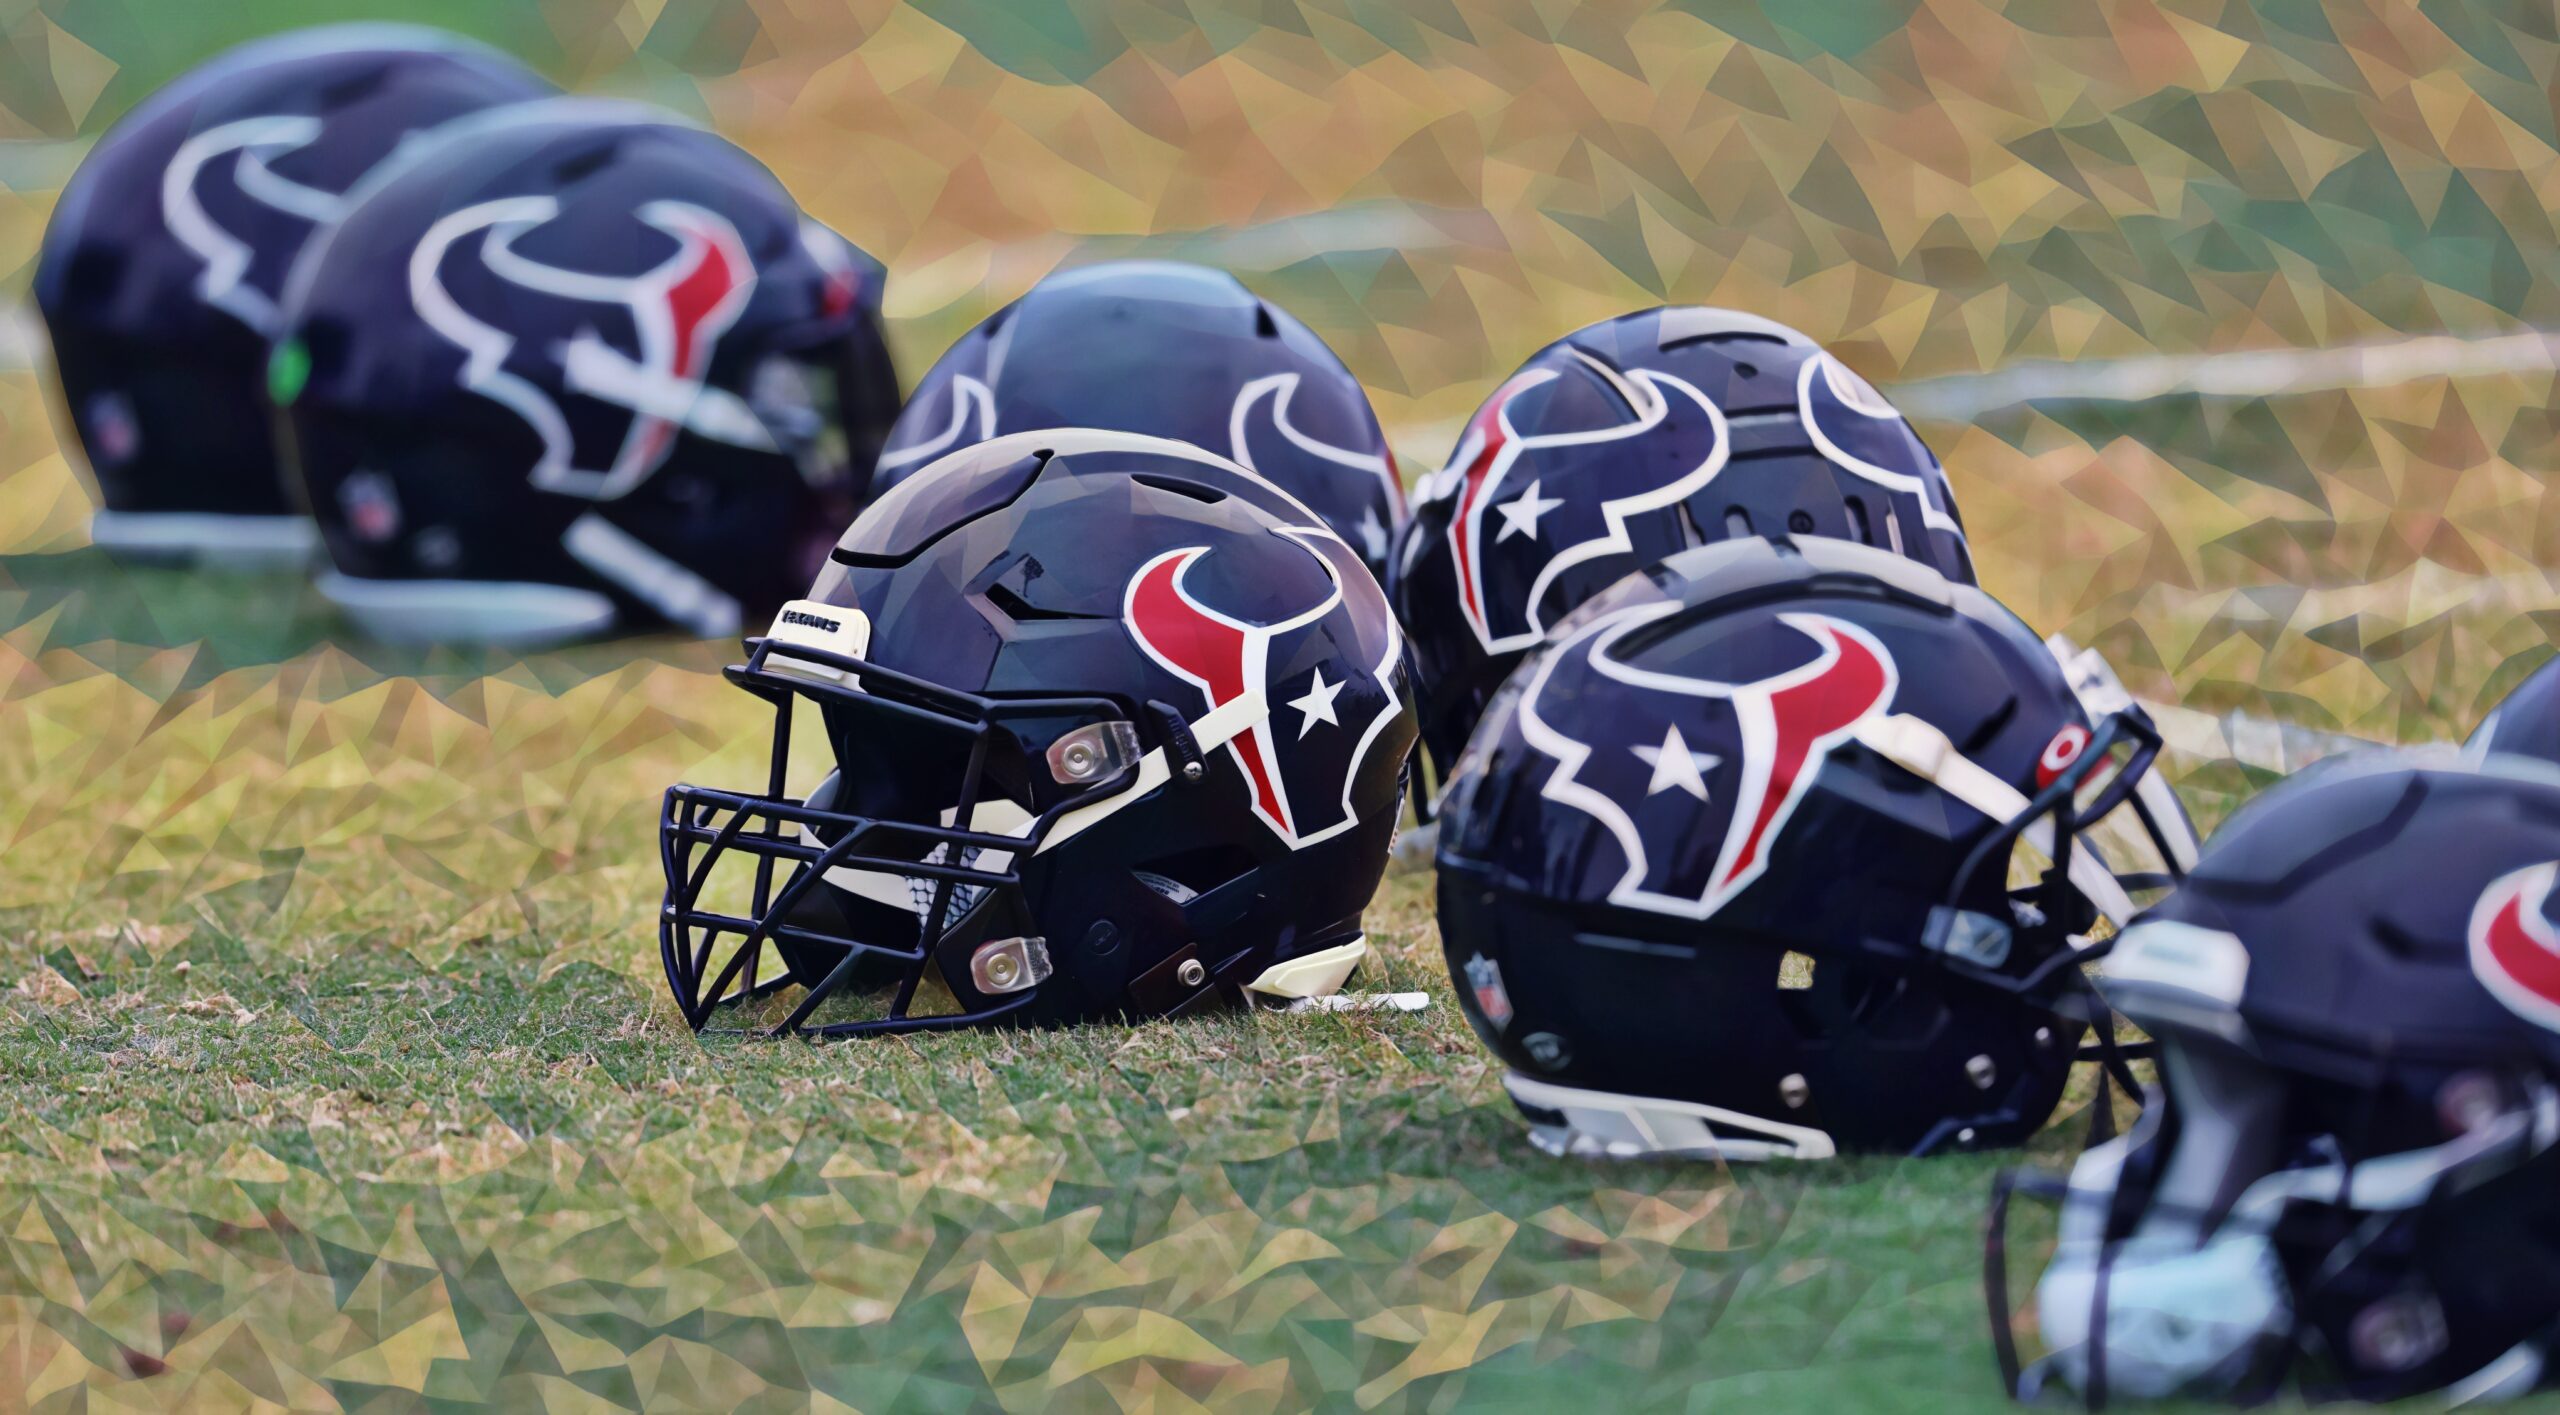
(335, 1068)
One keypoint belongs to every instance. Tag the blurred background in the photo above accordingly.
(1941, 191)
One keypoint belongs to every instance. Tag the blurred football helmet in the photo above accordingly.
(577, 368)
(161, 267)
(1727, 870)
(1116, 728)
(1167, 350)
(2527, 721)
(1629, 440)
(2351, 1175)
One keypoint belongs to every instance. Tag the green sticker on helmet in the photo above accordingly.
(288, 369)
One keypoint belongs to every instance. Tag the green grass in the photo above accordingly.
(487, 1179)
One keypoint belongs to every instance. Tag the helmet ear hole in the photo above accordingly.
(1188, 874)
(1795, 971)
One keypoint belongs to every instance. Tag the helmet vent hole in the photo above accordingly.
(1737, 523)
(1264, 326)
(352, 88)
(1860, 527)
(1009, 602)
(579, 166)
(1795, 971)
(1992, 726)
(1180, 486)
(1746, 370)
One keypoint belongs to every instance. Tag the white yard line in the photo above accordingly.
(2237, 373)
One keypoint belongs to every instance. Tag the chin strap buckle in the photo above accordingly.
(1189, 766)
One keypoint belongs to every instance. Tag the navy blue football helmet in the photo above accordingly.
(1166, 350)
(2527, 721)
(576, 368)
(1623, 443)
(1727, 869)
(161, 268)
(2351, 1176)
(1117, 729)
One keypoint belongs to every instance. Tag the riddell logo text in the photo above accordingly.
(794, 616)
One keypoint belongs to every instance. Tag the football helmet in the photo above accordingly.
(575, 368)
(1624, 442)
(1115, 728)
(1727, 869)
(160, 270)
(2527, 721)
(1167, 350)
(2351, 1175)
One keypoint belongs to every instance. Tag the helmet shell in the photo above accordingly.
(162, 266)
(1670, 868)
(1165, 349)
(1628, 441)
(589, 348)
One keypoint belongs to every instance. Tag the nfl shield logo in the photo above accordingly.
(373, 511)
(1484, 977)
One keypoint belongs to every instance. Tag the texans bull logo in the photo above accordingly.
(1867, 437)
(1700, 787)
(1560, 499)
(2515, 949)
(1302, 770)
(673, 314)
(973, 420)
(1261, 436)
(239, 278)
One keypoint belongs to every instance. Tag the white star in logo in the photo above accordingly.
(1317, 704)
(1373, 535)
(1675, 765)
(1520, 514)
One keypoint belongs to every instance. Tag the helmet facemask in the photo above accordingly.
(872, 881)
(2260, 1222)
(876, 882)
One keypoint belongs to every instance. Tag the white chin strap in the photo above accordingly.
(1920, 748)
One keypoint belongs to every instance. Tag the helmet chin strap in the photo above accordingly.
(1918, 747)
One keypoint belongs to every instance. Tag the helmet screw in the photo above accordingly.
(1982, 1072)
(1965, 1136)
(1001, 970)
(2044, 1036)
(1191, 972)
(1193, 771)
(1793, 1090)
